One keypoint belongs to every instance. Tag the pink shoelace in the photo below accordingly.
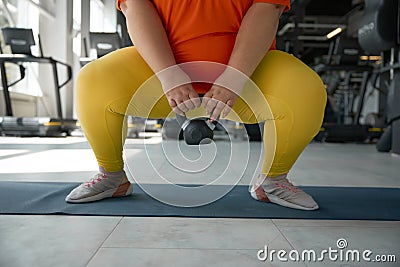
(288, 186)
(97, 178)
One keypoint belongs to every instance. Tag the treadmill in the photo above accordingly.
(20, 41)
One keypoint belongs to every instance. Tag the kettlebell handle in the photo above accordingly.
(183, 122)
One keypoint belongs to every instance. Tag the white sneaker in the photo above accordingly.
(280, 191)
(99, 187)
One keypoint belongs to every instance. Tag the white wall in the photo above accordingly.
(110, 16)
(56, 37)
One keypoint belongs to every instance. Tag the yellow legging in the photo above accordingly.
(295, 94)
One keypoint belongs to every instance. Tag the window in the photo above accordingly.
(96, 16)
(21, 14)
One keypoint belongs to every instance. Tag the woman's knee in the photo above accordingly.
(88, 77)
(94, 84)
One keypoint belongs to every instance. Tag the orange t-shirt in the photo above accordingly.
(204, 30)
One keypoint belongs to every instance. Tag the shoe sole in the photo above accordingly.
(274, 199)
(106, 194)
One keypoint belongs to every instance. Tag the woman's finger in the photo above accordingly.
(228, 107)
(180, 104)
(194, 97)
(188, 103)
(174, 107)
(206, 98)
(211, 104)
(217, 110)
(178, 111)
(171, 102)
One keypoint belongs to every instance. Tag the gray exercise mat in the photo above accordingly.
(336, 203)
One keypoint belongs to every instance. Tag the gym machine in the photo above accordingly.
(346, 78)
(379, 33)
(20, 41)
(101, 42)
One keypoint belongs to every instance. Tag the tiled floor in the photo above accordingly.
(134, 241)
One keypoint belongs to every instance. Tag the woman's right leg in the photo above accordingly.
(104, 90)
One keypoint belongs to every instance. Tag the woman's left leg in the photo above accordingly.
(296, 100)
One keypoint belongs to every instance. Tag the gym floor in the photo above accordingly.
(135, 241)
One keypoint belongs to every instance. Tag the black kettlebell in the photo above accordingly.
(196, 130)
